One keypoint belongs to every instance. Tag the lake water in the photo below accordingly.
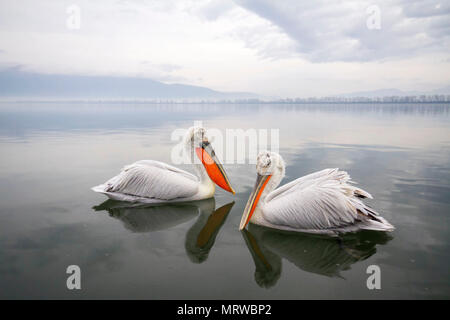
(52, 154)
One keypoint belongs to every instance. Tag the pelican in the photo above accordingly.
(150, 181)
(322, 202)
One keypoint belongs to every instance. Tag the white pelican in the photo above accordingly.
(152, 181)
(322, 202)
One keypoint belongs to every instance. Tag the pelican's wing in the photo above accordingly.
(316, 177)
(162, 165)
(321, 200)
(153, 179)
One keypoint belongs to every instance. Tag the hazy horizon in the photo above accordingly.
(19, 85)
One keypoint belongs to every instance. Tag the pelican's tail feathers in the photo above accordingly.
(100, 188)
(360, 193)
(380, 224)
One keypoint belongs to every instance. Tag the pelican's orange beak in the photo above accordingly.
(213, 166)
(261, 182)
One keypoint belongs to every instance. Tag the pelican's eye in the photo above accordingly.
(266, 160)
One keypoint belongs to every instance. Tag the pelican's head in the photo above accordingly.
(270, 171)
(196, 141)
(269, 163)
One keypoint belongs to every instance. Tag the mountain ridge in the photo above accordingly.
(23, 84)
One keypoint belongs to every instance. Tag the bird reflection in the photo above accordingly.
(200, 237)
(323, 255)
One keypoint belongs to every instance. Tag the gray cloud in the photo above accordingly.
(425, 8)
(214, 9)
(328, 31)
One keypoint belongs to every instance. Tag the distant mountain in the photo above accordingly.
(394, 92)
(443, 90)
(15, 83)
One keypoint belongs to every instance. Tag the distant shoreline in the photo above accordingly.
(236, 102)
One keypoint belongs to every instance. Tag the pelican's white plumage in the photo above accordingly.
(321, 202)
(150, 181)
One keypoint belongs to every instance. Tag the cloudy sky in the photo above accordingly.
(280, 48)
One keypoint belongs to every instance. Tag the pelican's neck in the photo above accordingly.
(258, 216)
(202, 174)
(272, 184)
(207, 188)
(198, 167)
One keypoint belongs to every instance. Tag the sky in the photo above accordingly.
(288, 48)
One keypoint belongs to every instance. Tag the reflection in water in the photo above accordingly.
(400, 152)
(322, 255)
(201, 236)
(14, 121)
(147, 218)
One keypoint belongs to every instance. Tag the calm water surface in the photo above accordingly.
(51, 154)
